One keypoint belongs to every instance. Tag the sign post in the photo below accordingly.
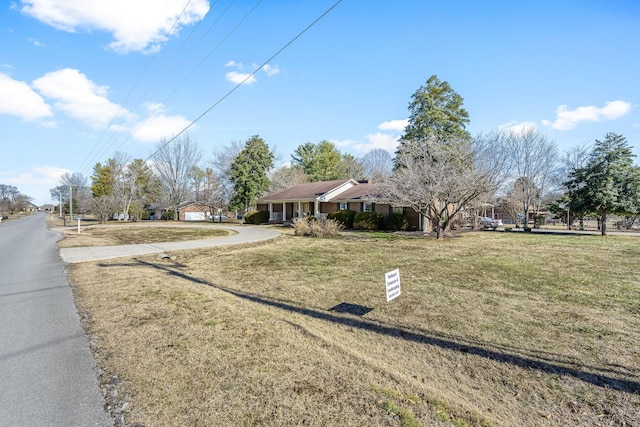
(392, 280)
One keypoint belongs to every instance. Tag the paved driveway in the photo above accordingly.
(245, 234)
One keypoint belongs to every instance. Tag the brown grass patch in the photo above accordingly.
(124, 234)
(490, 329)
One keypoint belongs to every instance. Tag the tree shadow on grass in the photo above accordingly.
(550, 365)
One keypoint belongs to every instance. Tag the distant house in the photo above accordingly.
(156, 210)
(48, 208)
(321, 198)
(30, 207)
(194, 211)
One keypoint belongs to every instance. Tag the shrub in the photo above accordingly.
(168, 215)
(316, 228)
(256, 217)
(344, 217)
(367, 221)
(396, 221)
(248, 217)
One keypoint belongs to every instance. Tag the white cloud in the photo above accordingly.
(80, 98)
(271, 70)
(18, 99)
(517, 127)
(36, 42)
(394, 125)
(238, 78)
(387, 140)
(241, 76)
(159, 126)
(140, 25)
(568, 119)
(35, 182)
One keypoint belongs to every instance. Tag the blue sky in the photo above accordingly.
(82, 79)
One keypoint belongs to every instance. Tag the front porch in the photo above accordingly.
(280, 213)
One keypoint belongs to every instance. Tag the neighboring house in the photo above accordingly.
(156, 210)
(30, 207)
(194, 211)
(321, 198)
(48, 208)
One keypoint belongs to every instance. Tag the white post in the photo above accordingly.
(70, 203)
(78, 225)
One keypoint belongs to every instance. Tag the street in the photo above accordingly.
(46, 368)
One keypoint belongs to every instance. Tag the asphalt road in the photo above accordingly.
(47, 375)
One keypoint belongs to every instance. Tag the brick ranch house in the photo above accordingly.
(321, 198)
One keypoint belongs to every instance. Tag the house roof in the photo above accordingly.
(306, 191)
(192, 203)
(365, 191)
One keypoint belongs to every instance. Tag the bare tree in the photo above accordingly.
(8, 196)
(221, 161)
(80, 196)
(104, 207)
(21, 201)
(436, 180)
(173, 163)
(378, 165)
(286, 177)
(491, 155)
(535, 165)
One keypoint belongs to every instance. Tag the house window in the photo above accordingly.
(397, 210)
(367, 207)
(343, 206)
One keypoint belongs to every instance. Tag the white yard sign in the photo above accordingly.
(392, 280)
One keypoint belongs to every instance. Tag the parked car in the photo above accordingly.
(489, 223)
(219, 217)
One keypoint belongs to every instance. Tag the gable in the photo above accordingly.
(310, 191)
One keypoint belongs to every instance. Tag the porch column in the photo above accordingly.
(284, 211)
(270, 211)
(299, 209)
(316, 209)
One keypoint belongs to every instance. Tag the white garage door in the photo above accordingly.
(194, 216)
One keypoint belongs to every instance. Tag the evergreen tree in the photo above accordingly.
(609, 183)
(436, 115)
(320, 162)
(249, 173)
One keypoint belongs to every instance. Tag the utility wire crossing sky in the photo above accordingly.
(82, 80)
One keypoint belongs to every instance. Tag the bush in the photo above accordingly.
(396, 221)
(316, 228)
(168, 215)
(344, 217)
(367, 221)
(256, 217)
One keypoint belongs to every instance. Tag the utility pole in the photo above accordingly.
(70, 203)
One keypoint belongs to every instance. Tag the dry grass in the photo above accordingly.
(491, 329)
(119, 234)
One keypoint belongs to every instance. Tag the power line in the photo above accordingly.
(140, 124)
(249, 76)
(135, 85)
(136, 127)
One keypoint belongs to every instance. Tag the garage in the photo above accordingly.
(194, 216)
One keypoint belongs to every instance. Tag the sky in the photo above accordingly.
(83, 79)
